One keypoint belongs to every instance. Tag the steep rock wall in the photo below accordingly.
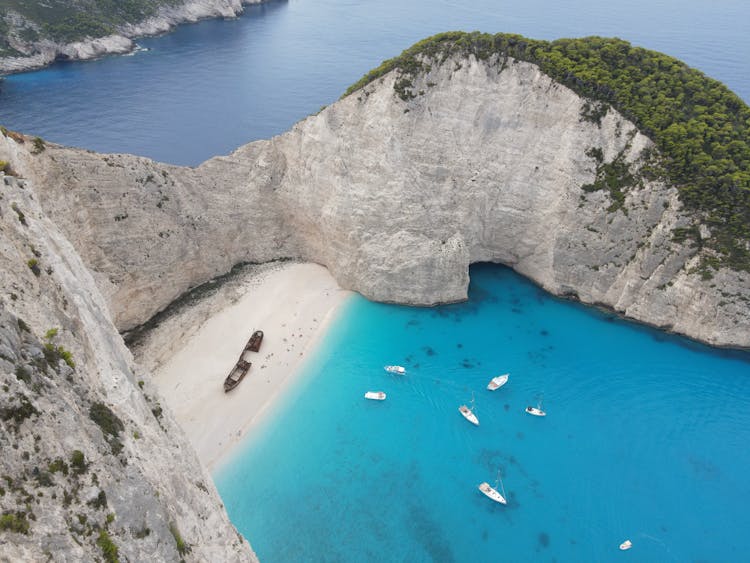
(486, 162)
(91, 461)
(151, 231)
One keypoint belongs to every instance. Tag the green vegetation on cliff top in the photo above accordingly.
(72, 20)
(700, 127)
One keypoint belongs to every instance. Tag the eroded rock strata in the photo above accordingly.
(397, 198)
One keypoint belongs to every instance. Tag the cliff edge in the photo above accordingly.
(93, 468)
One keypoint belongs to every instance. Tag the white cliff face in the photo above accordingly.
(129, 215)
(397, 199)
(136, 482)
(487, 165)
(41, 53)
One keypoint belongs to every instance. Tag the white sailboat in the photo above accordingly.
(537, 410)
(375, 395)
(398, 370)
(492, 492)
(497, 382)
(468, 413)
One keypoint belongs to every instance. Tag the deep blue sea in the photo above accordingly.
(646, 436)
(206, 89)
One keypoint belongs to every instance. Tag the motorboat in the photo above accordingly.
(627, 544)
(375, 395)
(536, 411)
(398, 370)
(497, 382)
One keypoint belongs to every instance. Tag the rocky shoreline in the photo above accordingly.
(42, 53)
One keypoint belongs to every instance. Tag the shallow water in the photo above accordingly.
(208, 88)
(646, 438)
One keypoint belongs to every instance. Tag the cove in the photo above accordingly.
(644, 439)
(646, 434)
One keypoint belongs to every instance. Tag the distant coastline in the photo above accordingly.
(44, 51)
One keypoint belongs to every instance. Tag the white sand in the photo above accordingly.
(291, 304)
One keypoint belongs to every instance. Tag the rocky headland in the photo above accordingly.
(39, 35)
(421, 170)
(483, 161)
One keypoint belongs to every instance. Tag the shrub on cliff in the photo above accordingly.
(33, 265)
(110, 424)
(108, 547)
(68, 21)
(14, 522)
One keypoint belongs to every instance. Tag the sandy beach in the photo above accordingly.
(292, 303)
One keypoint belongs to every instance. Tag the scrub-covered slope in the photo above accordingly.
(34, 33)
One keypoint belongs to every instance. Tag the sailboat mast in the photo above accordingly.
(501, 483)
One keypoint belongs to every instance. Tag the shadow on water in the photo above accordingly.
(543, 539)
(703, 469)
(429, 350)
(426, 531)
(600, 312)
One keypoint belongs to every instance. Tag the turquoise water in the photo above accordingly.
(646, 438)
(209, 88)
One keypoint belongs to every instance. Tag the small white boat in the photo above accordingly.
(492, 492)
(497, 382)
(375, 395)
(537, 410)
(468, 413)
(627, 544)
(395, 369)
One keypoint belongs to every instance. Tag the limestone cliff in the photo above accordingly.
(486, 162)
(92, 468)
(41, 34)
(396, 190)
